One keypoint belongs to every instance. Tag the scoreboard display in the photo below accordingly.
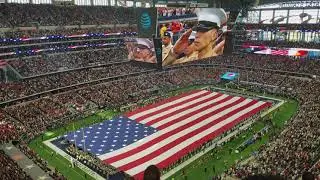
(185, 3)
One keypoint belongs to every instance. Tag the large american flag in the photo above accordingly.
(161, 133)
(3, 63)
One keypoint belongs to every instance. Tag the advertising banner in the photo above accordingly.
(147, 22)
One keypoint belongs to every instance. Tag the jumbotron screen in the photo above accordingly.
(191, 34)
(141, 49)
(296, 52)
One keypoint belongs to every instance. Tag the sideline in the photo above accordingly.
(226, 138)
(195, 157)
(26, 164)
(77, 163)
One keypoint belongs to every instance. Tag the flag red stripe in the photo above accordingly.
(150, 123)
(212, 135)
(177, 130)
(171, 106)
(212, 105)
(183, 138)
(3, 63)
(138, 110)
(198, 143)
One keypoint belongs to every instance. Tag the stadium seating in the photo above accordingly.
(58, 87)
(37, 65)
(306, 92)
(10, 170)
(17, 15)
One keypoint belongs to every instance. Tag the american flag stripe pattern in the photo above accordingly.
(179, 125)
(3, 63)
(163, 132)
(280, 52)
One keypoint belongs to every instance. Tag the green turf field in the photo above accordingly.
(220, 160)
(59, 162)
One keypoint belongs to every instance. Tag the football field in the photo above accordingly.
(163, 132)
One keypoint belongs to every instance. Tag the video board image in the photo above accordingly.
(141, 49)
(194, 38)
(294, 52)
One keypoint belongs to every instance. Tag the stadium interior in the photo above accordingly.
(150, 90)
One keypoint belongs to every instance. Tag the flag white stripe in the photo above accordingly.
(182, 133)
(189, 141)
(135, 116)
(164, 121)
(166, 130)
(148, 119)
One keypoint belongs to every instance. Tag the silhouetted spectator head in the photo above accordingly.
(307, 176)
(152, 173)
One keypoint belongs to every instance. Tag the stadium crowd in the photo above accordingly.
(31, 86)
(296, 149)
(39, 161)
(9, 130)
(63, 32)
(290, 154)
(10, 169)
(43, 113)
(61, 46)
(51, 112)
(293, 152)
(280, 63)
(49, 63)
(39, 84)
(16, 15)
(301, 135)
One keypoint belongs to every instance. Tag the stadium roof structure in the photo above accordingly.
(264, 4)
(261, 2)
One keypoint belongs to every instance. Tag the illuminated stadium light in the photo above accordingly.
(160, 5)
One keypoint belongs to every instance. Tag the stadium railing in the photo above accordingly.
(79, 85)
(62, 89)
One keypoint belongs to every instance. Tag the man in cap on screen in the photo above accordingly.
(143, 51)
(189, 54)
(166, 44)
(208, 33)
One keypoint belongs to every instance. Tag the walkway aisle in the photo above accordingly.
(34, 171)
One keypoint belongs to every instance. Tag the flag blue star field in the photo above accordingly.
(162, 133)
(109, 135)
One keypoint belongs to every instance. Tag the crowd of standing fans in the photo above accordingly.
(17, 15)
(296, 150)
(300, 136)
(53, 111)
(10, 169)
(49, 63)
(62, 32)
(39, 84)
(280, 63)
(290, 154)
(43, 113)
